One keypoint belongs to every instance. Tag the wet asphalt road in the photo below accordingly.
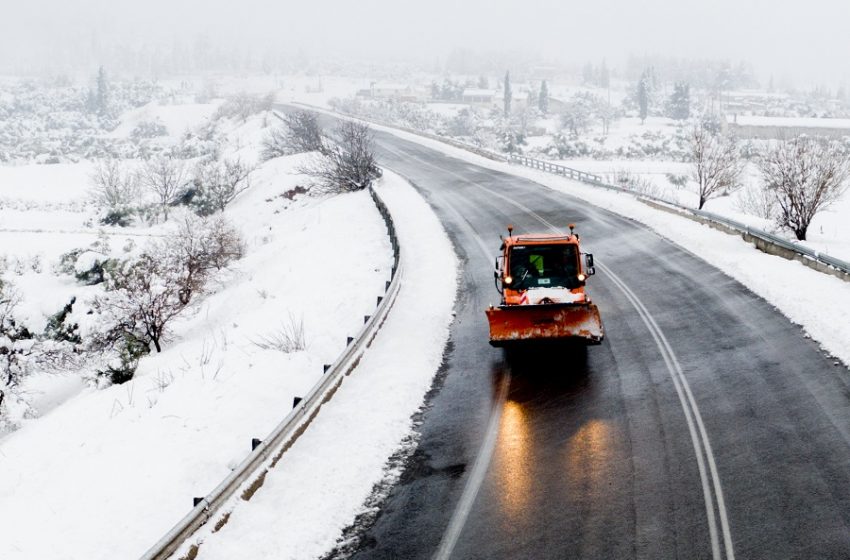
(705, 426)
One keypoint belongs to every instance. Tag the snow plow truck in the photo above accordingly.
(541, 278)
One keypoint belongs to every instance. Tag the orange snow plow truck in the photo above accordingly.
(541, 278)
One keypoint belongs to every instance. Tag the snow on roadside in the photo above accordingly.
(109, 471)
(323, 481)
(818, 302)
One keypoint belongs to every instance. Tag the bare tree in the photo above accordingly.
(348, 163)
(164, 176)
(143, 298)
(219, 183)
(806, 175)
(299, 133)
(717, 165)
(144, 295)
(199, 246)
(114, 189)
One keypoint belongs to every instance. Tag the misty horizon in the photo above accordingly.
(776, 38)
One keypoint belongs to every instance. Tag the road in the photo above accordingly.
(705, 426)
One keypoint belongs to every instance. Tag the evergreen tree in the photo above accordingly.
(483, 82)
(643, 97)
(508, 94)
(679, 106)
(102, 92)
(543, 98)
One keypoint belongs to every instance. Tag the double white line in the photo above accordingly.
(696, 427)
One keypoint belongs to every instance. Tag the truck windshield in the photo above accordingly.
(547, 266)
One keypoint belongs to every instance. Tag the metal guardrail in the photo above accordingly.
(550, 167)
(254, 467)
(743, 229)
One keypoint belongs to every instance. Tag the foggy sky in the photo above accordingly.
(808, 41)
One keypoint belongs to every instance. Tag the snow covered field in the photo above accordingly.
(104, 472)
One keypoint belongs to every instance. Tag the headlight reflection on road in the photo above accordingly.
(589, 453)
(512, 459)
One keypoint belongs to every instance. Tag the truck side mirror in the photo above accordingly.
(588, 264)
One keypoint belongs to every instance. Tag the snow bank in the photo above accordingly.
(105, 474)
(323, 481)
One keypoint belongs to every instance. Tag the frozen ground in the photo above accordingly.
(103, 473)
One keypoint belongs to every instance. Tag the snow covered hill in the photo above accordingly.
(105, 471)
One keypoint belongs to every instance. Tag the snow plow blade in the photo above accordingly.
(511, 324)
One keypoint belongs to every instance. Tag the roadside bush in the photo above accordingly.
(299, 133)
(348, 164)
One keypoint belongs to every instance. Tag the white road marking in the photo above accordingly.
(696, 426)
(476, 476)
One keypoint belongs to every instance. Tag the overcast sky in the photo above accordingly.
(807, 40)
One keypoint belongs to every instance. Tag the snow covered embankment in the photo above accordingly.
(323, 481)
(108, 472)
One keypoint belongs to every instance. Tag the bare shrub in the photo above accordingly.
(164, 176)
(348, 163)
(115, 190)
(199, 246)
(288, 338)
(299, 133)
(219, 183)
(806, 175)
(717, 164)
(143, 297)
(756, 200)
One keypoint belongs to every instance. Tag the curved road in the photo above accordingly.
(705, 426)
